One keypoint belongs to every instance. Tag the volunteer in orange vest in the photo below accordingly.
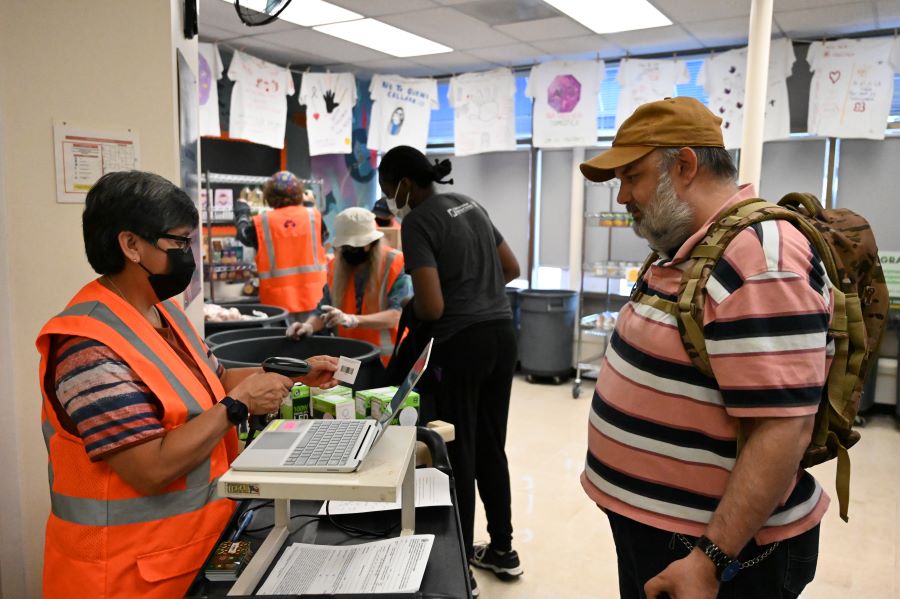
(138, 417)
(366, 286)
(290, 258)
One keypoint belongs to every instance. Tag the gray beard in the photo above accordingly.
(666, 221)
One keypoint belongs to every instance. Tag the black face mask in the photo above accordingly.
(355, 256)
(176, 280)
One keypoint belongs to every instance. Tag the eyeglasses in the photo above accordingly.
(181, 242)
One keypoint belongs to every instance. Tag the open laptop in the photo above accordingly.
(324, 445)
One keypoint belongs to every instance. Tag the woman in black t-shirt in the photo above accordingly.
(460, 266)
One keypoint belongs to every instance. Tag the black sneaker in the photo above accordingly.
(505, 566)
(473, 583)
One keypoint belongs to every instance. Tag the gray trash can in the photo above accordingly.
(547, 332)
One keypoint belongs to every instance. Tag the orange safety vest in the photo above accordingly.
(391, 268)
(291, 261)
(105, 539)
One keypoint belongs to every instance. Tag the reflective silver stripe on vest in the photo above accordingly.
(110, 512)
(387, 344)
(313, 235)
(284, 272)
(267, 241)
(101, 313)
(173, 311)
(113, 512)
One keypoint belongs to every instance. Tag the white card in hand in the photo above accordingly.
(347, 370)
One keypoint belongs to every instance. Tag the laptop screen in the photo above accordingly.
(408, 383)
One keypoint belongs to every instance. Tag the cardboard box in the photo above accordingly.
(334, 406)
(296, 405)
(379, 401)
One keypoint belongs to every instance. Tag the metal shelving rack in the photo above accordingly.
(209, 179)
(586, 324)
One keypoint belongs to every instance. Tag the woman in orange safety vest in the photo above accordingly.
(366, 286)
(290, 257)
(138, 416)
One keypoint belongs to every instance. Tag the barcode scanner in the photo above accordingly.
(289, 367)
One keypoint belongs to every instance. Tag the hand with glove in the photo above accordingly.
(336, 318)
(299, 330)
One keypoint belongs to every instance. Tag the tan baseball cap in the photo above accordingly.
(668, 123)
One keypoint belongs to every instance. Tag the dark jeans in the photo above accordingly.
(644, 552)
(468, 382)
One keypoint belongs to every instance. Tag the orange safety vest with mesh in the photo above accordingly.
(105, 539)
(391, 268)
(291, 261)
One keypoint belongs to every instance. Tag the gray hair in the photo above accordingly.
(715, 161)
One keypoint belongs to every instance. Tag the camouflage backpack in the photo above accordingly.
(845, 242)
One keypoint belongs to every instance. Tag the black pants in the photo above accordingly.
(468, 383)
(644, 552)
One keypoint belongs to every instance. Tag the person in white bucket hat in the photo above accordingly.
(366, 286)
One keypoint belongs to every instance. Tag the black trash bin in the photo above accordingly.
(251, 352)
(547, 332)
(276, 317)
(246, 333)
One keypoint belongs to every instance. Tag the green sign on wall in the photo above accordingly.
(890, 263)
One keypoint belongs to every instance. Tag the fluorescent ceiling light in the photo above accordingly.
(611, 16)
(307, 13)
(384, 38)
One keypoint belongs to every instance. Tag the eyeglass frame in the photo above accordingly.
(180, 238)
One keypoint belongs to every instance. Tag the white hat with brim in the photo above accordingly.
(355, 227)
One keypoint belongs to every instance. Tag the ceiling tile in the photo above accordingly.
(683, 11)
(274, 53)
(792, 5)
(671, 38)
(452, 2)
(209, 33)
(888, 13)
(454, 62)
(836, 20)
(721, 32)
(514, 54)
(378, 8)
(392, 66)
(585, 44)
(334, 49)
(504, 12)
(544, 29)
(450, 27)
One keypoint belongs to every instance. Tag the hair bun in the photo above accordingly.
(441, 169)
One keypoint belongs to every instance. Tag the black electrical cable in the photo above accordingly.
(354, 531)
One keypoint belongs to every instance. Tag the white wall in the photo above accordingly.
(101, 64)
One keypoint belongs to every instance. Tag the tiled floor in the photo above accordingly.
(564, 541)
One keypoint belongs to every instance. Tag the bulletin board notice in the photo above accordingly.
(83, 156)
(890, 263)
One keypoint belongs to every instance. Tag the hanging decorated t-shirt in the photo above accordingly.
(852, 86)
(566, 99)
(259, 100)
(329, 99)
(723, 76)
(210, 72)
(401, 111)
(642, 81)
(484, 117)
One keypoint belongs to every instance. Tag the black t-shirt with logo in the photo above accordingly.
(453, 233)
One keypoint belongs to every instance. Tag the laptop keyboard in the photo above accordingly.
(329, 443)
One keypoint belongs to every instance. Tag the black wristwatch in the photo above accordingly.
(726, 566)
(237, 411)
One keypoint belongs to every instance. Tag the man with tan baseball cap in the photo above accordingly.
(689, 515)
(669, 123)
